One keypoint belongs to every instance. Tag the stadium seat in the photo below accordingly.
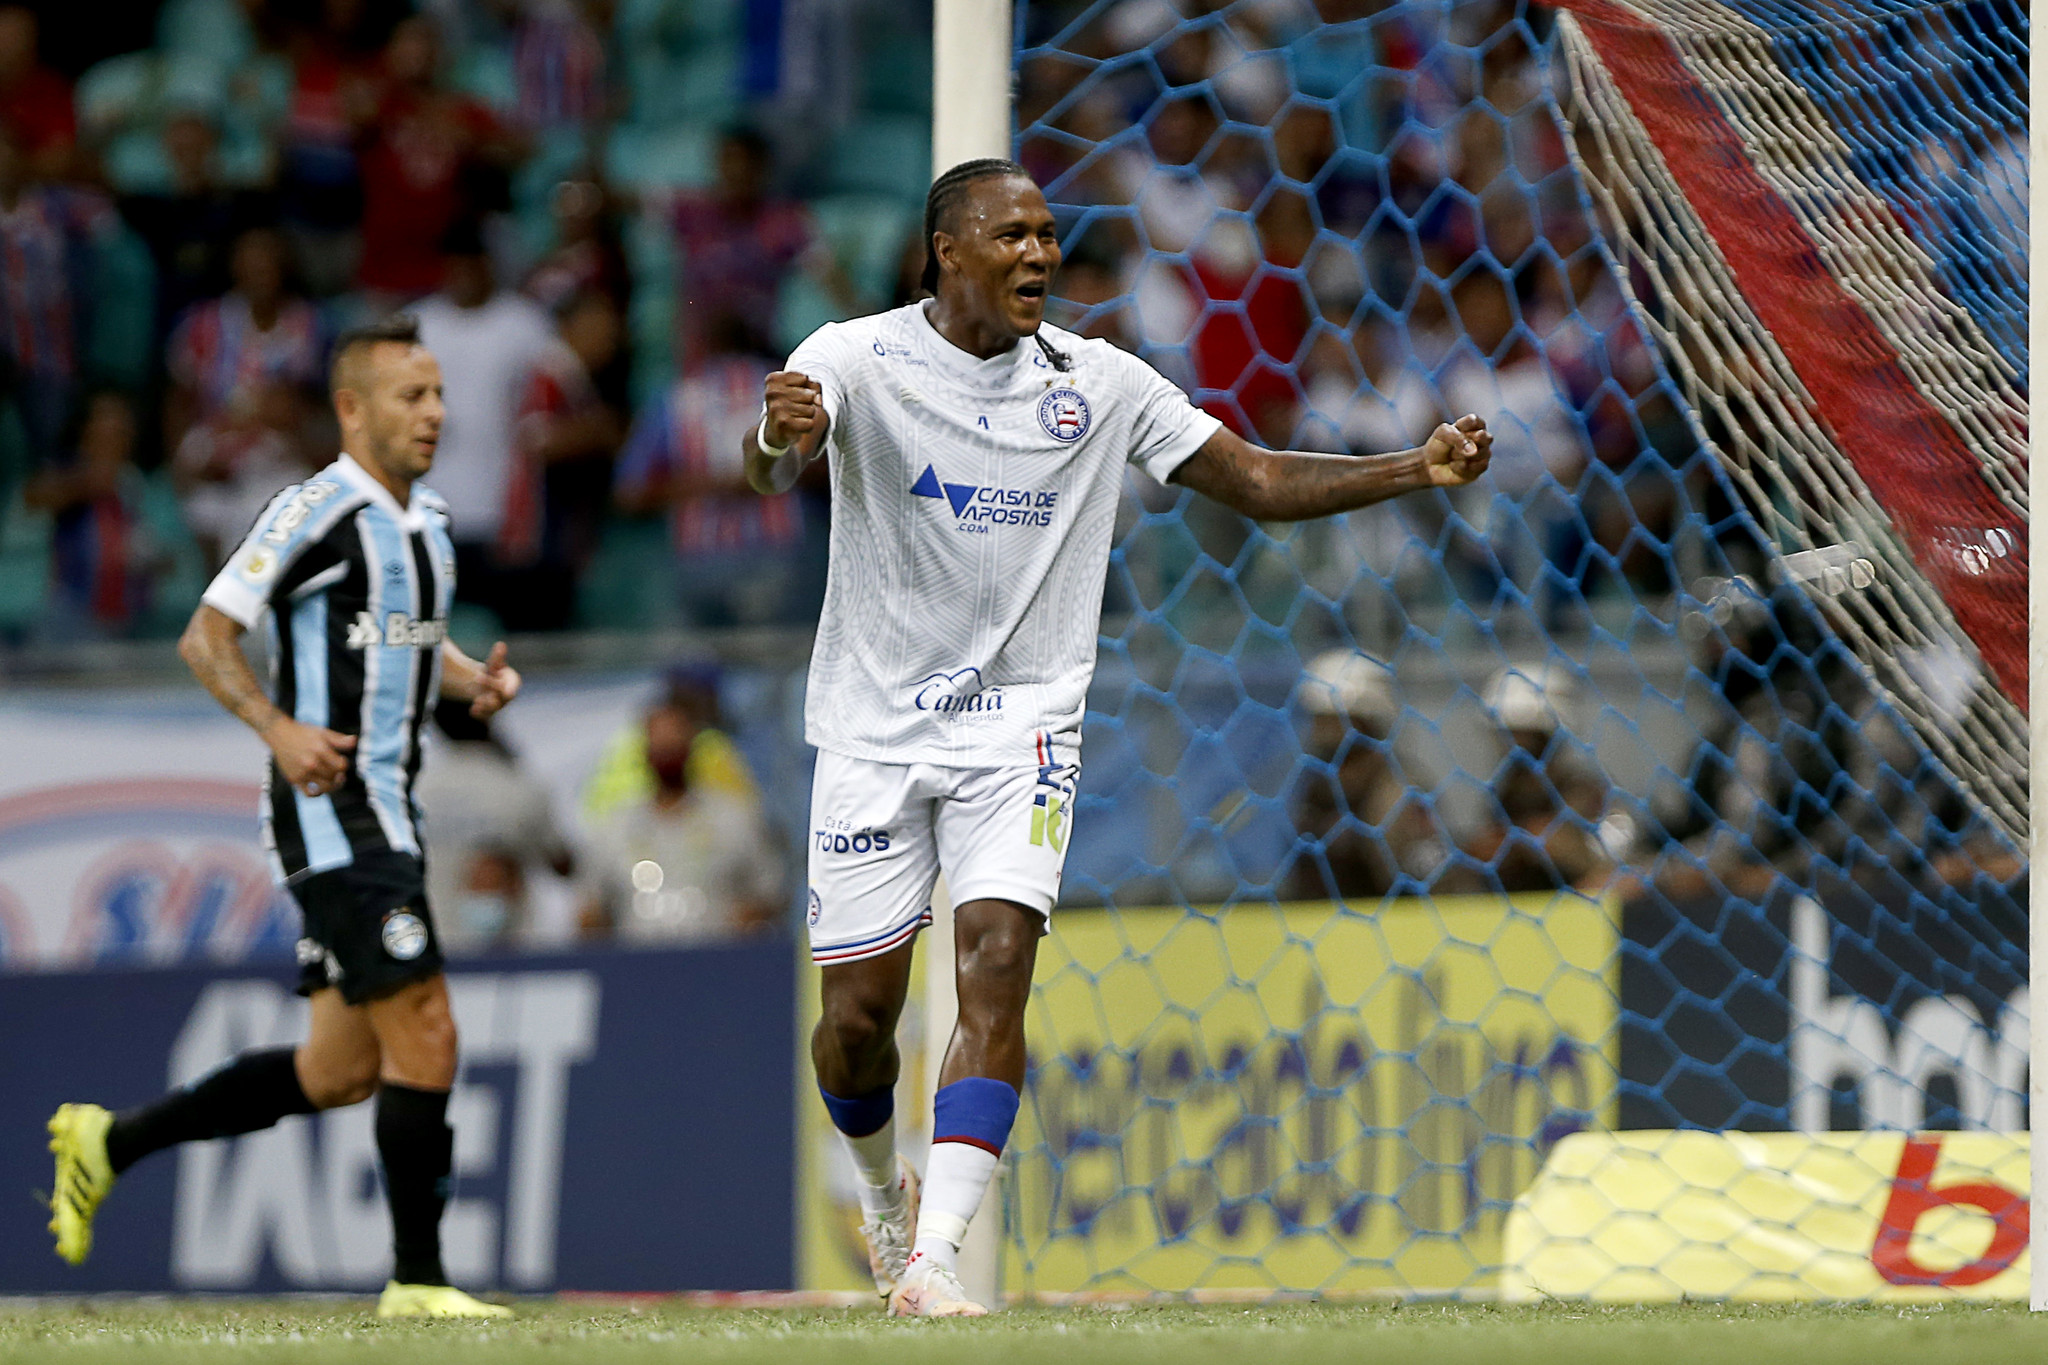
(801, 310)
(484, 72)
(185, 578)
(678, 24)
(887, 154)
(697, 83)
(123, 102)
(630, 581)
(867, 233)
(474, 628)
(644, 157)
(896, 78)
(217, 30)
(650, 318)
(121, 345)
(262, 93)
(24, 566)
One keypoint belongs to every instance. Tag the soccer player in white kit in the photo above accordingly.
(976, 458)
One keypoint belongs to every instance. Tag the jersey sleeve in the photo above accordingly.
(822, 356)
(288, 527)
(1167, 428)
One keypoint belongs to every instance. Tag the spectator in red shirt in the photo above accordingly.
(433, 157)
(33, 98)
(738, 245)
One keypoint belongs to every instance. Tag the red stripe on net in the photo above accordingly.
(1915, 463)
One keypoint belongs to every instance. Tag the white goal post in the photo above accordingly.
(971, 47)
(2037, 757)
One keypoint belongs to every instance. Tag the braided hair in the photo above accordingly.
(940, 206)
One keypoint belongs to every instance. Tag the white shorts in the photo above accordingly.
(881, 832)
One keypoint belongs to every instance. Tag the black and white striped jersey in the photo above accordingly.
(356, 591)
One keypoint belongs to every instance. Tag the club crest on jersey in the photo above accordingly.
(1064, 414)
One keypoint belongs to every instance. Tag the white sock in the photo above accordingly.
(879, 1179)
(955, 1179)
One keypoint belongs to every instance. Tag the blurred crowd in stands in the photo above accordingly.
(1343, 271)
(585, 201)
(672, 844)
(614, 215)
(1335, 222)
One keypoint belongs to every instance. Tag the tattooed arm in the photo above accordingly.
(1285, 485)
(314, 760)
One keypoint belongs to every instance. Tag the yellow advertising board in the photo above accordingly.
(1302, 1096)
(1648, 1216)
(1293, 1097)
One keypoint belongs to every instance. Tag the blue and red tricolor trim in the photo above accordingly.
(874, 945)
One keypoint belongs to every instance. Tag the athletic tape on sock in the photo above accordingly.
(978, 1111)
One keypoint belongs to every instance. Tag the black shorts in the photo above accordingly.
(367, 927)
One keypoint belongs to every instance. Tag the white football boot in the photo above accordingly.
(889, 1236)
(929, 1290)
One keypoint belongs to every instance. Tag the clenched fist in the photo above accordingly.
(313, 759)
(796, 407)
(1458, 452)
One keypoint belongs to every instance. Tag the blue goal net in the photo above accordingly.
(1664, 782)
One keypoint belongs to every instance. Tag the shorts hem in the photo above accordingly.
(993, 891)
(378, 987)
(888, 941)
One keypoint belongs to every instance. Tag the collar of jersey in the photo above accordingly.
(360, 478)
(994, 375)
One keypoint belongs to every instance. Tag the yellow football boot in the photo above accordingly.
(78, 1137)
(434, 1301)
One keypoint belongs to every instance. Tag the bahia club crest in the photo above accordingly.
(1064, 415)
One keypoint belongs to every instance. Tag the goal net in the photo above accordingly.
(1664, 785)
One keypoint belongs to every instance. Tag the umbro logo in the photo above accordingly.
(398, 631)
(976, 507)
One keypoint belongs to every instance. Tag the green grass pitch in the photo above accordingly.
(139, 1332)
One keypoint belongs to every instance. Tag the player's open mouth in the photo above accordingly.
(1034, 290)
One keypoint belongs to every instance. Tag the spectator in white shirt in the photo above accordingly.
(491, 343)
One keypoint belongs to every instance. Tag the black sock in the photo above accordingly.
(418, 1148)
(253, 1091)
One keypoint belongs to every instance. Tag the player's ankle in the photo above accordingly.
(936, 1251)
(881, 1203)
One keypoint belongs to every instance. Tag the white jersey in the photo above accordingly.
(973, 502)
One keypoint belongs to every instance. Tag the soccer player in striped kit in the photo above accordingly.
(353, 572)
(976, 458)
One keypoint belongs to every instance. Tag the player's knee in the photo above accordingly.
(860, 1026)
(1001, 954)
(433, 1031)
(337, 1082)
